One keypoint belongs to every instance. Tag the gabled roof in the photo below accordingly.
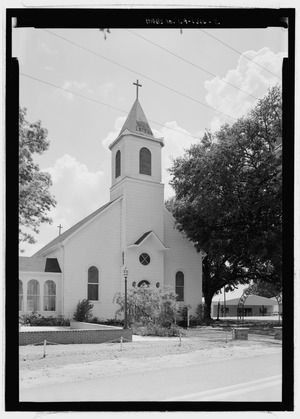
(142, 237)
(145, 237)
(136, 121)
(72, 230)
(38, 264)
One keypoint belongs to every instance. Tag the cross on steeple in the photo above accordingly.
(137, 88)
(59, 228)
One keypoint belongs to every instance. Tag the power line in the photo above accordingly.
(140, 74)
(238, 52)
(73, 93)
(189, 62)
(102, 103)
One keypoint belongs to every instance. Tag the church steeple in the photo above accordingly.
(136, 176)
(136, 121)
(136, 153)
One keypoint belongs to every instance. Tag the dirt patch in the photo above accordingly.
(68, 363)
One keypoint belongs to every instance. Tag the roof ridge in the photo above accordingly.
(73, 229)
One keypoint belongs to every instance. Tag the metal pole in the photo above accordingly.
(224, 303)
(125, 317)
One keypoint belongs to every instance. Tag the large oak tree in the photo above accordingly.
(35, 199)
(228, 199)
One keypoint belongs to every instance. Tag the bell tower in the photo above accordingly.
(136, 173)
(135, 153)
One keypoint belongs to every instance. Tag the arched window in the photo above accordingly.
(33, 295)
(20, 295)
(49, 296)
(145, 161)
(179, 286)
(93, 284)
(144, 283)
(118, 163)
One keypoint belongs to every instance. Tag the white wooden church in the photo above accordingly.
(133, 230)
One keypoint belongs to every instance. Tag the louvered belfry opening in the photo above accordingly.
(145, 161)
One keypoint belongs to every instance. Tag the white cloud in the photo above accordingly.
(78, 191)
(114, 134)
(176, 140)
(247, 76)
(105, 89)
(75, 85)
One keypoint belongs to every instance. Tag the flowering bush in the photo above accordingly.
(149, 306)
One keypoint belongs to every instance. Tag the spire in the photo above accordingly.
(136, 120)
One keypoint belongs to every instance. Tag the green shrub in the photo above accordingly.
(108, 322)
(29, 319)
(154, 330)
(62, 321)
(95, 320)
(197, 319)
(199, 312)
(82, 312)
(113, 322)
(36, 319)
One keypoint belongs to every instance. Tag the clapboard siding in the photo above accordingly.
(97, 244)
(182, 256)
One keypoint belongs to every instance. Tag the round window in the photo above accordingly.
(144, 259)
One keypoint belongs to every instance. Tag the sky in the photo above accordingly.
(187, 82)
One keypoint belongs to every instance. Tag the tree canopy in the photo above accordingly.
(35, 199)
(228, 198)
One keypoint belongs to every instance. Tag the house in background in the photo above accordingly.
(133, 230)
(254, 306)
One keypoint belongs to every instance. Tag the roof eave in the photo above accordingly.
(161, 245)
(64, 241)
(43, 273)
(126, 132)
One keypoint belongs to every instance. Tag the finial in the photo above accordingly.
(59, 228)
(137, 88)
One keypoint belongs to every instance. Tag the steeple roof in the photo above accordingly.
(136, 121)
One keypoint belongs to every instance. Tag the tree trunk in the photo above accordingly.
(207, 293)
(207, 308)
